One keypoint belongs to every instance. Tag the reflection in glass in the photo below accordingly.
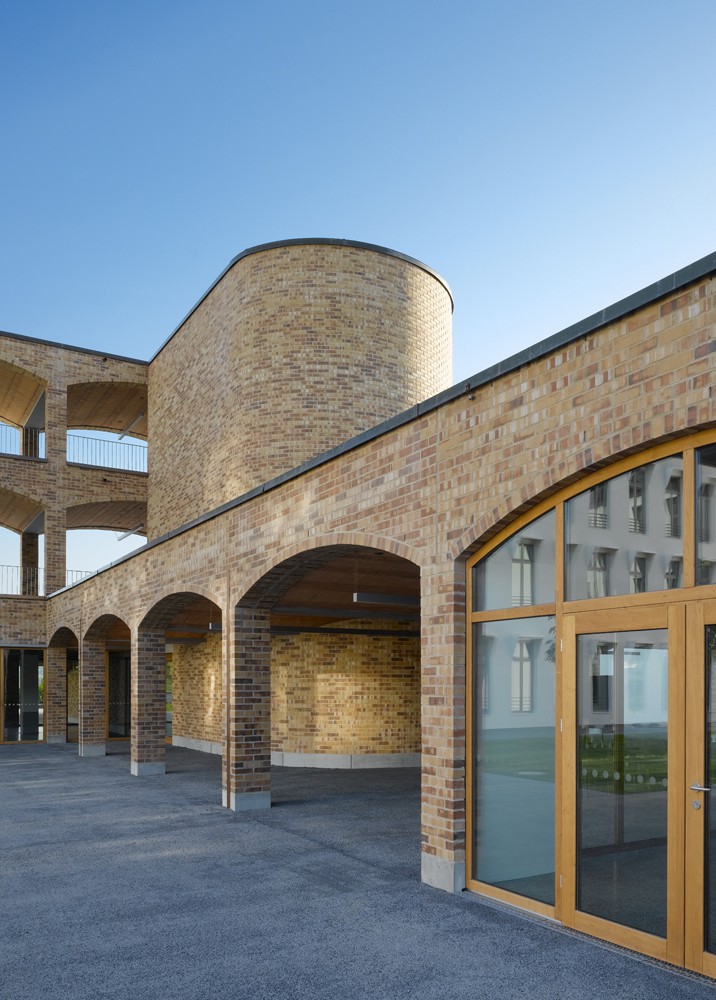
(23, 688)
(513, 712)
(118, 695)
(709, 799)
(520, 572)
(622, 777)
(624, 536)
(705, 493)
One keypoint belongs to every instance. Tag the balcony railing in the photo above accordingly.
(106, 454)
(30, 442)
(29, 581)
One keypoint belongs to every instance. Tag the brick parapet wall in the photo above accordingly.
(432, 489)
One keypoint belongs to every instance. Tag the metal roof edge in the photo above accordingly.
(71, 347)
(297, 242)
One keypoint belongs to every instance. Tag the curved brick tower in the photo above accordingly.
(298, 346)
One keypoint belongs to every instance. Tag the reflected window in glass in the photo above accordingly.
(673, 508)
(521, 571)
(637, 507)
(598, 511)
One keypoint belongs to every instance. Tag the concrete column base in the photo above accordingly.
(246, 801)
(92, 750)
(55, 738)
(143, 769)
(442, 873)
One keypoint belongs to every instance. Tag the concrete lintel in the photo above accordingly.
(443, 874)
(247, 801)
(143, 769)
(92, 749)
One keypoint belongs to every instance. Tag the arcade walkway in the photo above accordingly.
(118, 887)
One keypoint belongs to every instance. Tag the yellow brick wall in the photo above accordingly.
(196, 673)
(343, 694)
(334, 694)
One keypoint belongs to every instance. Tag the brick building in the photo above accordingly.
(334, 533)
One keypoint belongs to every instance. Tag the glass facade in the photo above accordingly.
(520, 572)
(622, 777)
(514, 772)
(22, 695)
(624, 536)
(118, 695)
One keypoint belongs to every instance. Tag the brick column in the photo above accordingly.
(247, 746)
(29, 564)
(443, 727)
(93, 711)
(56, 694)
(55, 517)
(149, 703)
(55, 549)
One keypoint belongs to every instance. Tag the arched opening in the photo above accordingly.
(22, 412)
(100, 532)
(180, 650)
(106, 687)
(115, 415)
(22, 525)
(327, 677)
(62, 687)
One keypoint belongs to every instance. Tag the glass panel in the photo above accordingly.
(513, 712)
(118, 695)
(23, 687)
(520, 572)
(709, 801)
(624, 536)
(622, 777)
(73, 696)
(705, 515)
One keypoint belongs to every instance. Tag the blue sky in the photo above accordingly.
(546, 158)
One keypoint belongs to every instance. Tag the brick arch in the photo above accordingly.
(298, 559)
(102, 624)
(28, 389)
(552, 482)
(63, 636)
(164, 610)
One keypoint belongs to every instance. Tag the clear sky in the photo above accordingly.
(545, 158)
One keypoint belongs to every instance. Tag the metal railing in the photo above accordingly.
(28, 443)
(123, 455)
(29, 581)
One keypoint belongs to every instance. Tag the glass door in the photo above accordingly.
(701, 790)
(623, 766)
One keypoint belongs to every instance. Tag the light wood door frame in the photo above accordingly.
(699, 615)
(671, 617)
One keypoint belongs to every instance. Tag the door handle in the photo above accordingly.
(696, 787)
